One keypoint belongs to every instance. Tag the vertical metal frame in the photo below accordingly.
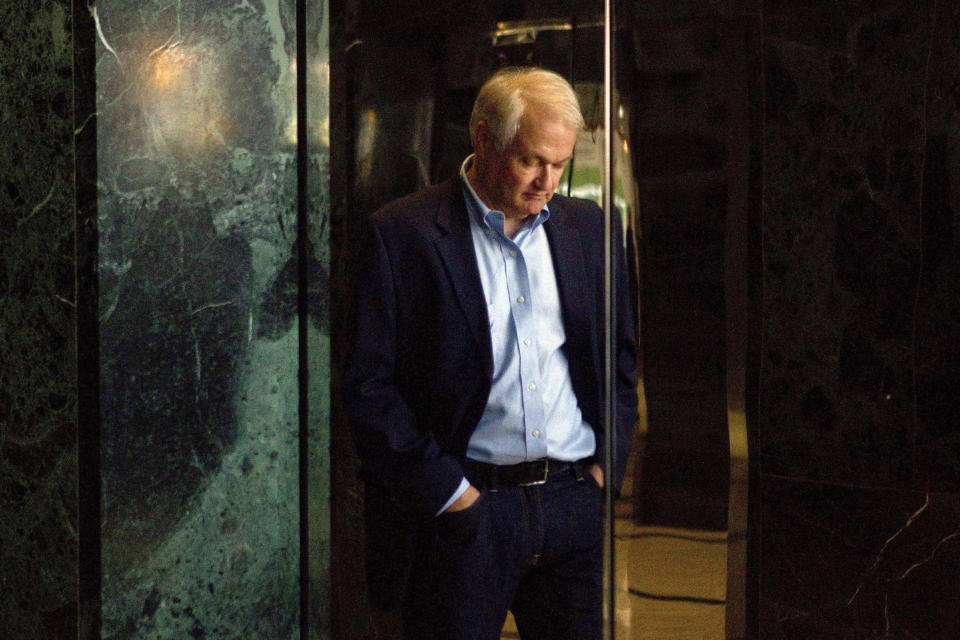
(303, 319)
(86, 294)
(609, 320)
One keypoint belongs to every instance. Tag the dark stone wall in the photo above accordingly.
(854, 361)
(38, 427)
(691, 82)
(859, 450)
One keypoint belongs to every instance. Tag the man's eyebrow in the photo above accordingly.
(542, 159)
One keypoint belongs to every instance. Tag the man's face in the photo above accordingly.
(520, 179)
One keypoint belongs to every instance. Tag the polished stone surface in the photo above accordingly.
(858, 452)
(849, 562)
(853, 265)
(317, 298)
(38, 428)
(852, 136)
(690, 86)
(200, 342)
(690, 77)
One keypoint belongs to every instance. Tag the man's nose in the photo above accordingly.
(548, 177)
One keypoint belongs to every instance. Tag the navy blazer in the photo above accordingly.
(420, 362)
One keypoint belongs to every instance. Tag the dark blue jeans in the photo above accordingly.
(537, 551)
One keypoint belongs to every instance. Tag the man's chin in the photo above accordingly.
(533, 206)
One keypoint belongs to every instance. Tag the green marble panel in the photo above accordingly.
(200, 340)
(317, 210)
(38, 428)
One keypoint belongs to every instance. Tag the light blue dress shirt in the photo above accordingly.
(532, 411)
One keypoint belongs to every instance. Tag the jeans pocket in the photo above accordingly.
(463, 526)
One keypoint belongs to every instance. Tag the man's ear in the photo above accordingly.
(483, 138)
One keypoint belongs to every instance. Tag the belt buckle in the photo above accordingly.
(543, 480)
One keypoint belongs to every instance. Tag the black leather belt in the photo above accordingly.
(522, 474)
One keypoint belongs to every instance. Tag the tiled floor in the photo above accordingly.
(671, 583)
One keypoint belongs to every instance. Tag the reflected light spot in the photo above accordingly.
(737, 426)
(165, 71)
(323, 132)
(367, 133)
(365, 139)
(183, 98)
(290, 135)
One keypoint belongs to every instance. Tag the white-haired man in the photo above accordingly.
(475, 384)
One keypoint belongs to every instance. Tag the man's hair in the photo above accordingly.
(504, 98)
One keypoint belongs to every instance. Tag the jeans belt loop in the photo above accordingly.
(579, 468)
(493, 479)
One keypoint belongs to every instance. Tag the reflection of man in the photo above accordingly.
(475, 382)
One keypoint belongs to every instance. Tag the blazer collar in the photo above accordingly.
(566, 249)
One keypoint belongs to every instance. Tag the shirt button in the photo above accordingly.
(520, 299)
(532, 386)
(526, 341)
(536, 433)
(513, 253)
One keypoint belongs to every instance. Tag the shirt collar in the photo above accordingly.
(486, 216)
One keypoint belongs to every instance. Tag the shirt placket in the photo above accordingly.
(524, 326)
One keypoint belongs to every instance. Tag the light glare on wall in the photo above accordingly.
(182, 100)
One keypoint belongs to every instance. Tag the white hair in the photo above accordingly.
(504, 98)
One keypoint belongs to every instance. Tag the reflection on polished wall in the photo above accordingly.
(692, 76)
(848, 187)
(200, 346)
(196, 278)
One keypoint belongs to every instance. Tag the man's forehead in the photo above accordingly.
(539, 130)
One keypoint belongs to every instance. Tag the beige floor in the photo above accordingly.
(671, 584)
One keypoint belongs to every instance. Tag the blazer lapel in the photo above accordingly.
(568, 263)
(455, 246)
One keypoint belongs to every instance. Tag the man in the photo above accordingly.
(475, 383)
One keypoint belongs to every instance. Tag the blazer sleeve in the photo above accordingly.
(398, 455)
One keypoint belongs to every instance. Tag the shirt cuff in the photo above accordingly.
(464, 485)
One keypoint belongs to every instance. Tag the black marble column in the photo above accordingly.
(859, 458)
(692, 76)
